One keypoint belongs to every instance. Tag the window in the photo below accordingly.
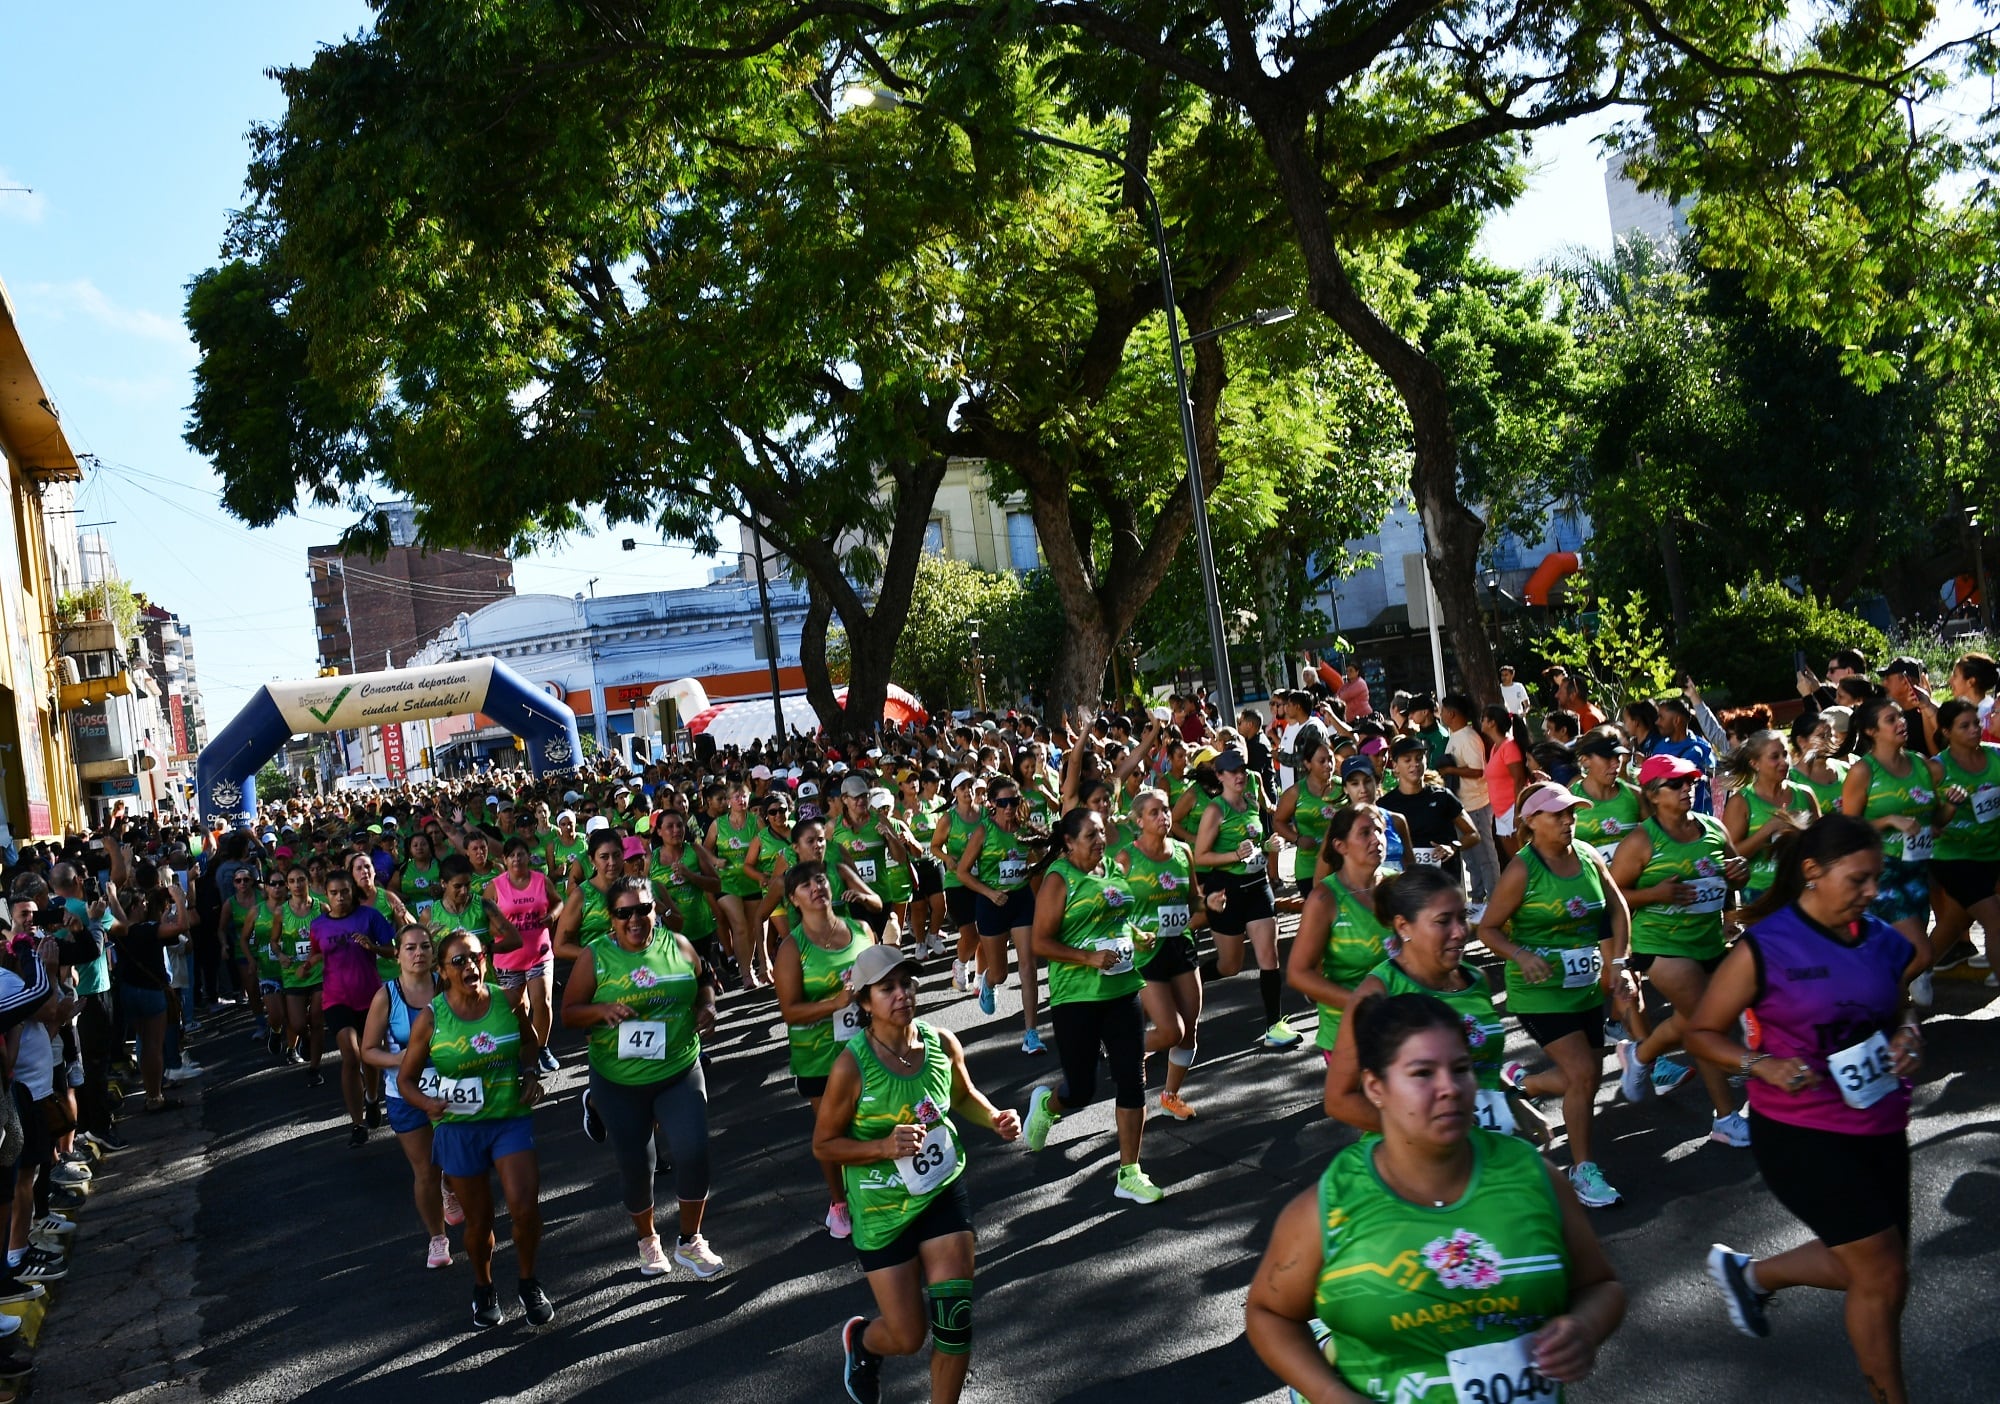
(934, 537)
(1023, 549)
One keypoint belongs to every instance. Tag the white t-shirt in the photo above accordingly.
(1281, 740)
(35, 1064)
(1514, 696)
(1466, 749)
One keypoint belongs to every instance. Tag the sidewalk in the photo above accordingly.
(125, 1321)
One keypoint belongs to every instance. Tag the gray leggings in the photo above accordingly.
(679, 1107)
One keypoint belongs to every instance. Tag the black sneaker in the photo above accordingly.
(371, 1114)
(535, 1302)
(315, 1078)
(863, 1372)
(1746, 1304)
(593, 1124)
(357, 1137)
(272, 1042)
(486, 1306)
(41, 1265)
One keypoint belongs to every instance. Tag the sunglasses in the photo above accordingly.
(633, 912)
(1679, 782)
(464, 959)
(1005, 802)
(243, 881)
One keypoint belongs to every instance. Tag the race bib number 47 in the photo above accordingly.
(643, 1038)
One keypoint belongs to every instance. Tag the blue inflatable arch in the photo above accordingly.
(227, 768)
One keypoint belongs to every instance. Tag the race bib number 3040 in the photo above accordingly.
(1499, 1374)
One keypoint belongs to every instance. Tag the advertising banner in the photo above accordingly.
(355, 700)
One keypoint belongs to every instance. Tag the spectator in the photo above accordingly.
(1465, 761)
(1907, 682)
(1424, 726)
(1513, 695)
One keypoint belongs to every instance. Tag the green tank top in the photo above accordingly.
(478, 1061)
(1402, 1286)
(697, 917)
(1562, 921)
(1901, 794)
(1119, 835)
(1238, 825)
(1311, 814)
(865, 849)
(386, 966)
(265, 932)
(731, 845)
(420, 884)
(955, 839)
(479, 880)
(1969, 837)
(295, 945)
(836, 886)
(1355, 944)
(1003, 859)
(659, 985)
(897, 885)
(1827, 792)
(1602, 823)
(1693, 931)
(593, 922)
(1097, 915)
(565, 854)
(1485, 1034)
(813, 1047)
(441, 919)
(770, 846)
(1163, 895)
(886, 1196)
(1764, 866)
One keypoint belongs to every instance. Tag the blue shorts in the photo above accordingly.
(1903, 893)
(403, 1117)
(468, 1149)
(144, 1004)
(1003, 918)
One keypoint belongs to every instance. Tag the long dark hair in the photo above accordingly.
(1511, 727)
(1825, 841)
(1408, 893)
(1384, 1023)
(1072, 824)
(1867, 717)
(1341, 824)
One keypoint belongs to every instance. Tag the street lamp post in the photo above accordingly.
(862, 95)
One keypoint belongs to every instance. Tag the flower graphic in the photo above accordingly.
(1577, 907)
(1463, 1261)
(1920, 796)
(1475, 1036)
(1168, 882)
(484, 1042)
(1114, 898)
(1706, 867)
(644, 978)
(1612, 826)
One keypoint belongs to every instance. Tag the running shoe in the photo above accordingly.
(1593, 1191)
(1731, 1130)
(1282, 1035)
(1040, 1119)
(593, 1124)
(652, 1257)
(1514, 1074)
(1921, 993)
(68, 1174)
(1981, 961)
(1960, 952)
(54, 1225)
(270, 1037)
(1133, 1185)
(1615, 1031)
(546, 1061)
(535, 1302)
(294, 1057)
(69, 1197)
(454, 1212)
(371, 1114)
(315, 1078)
(838, 1222)
(440, 1254)
(357, 1137)
(695, 1255)
(958, 975)
(105, 1141)
(1031, 1042)
(1633, 1079)
(1174, 1106)
(186, 1072)
(1729, 1270)
(862, 1372)
(1993, 980)
(985, 996)
(40, 1265)
(486, 1307)
(1669, 1074)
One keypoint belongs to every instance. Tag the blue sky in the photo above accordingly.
(128, 120)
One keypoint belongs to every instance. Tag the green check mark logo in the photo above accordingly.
(331, 707)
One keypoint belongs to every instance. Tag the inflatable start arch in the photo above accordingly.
(226, 772)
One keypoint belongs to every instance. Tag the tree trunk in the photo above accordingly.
(1078, 684)
(1451, 532)
(1677, 590)
(812, 652)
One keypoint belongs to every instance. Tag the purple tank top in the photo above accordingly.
(1817, 998)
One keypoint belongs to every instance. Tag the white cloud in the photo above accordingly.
(20, 206)
(85, 297)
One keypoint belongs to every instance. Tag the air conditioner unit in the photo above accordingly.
(71, 674)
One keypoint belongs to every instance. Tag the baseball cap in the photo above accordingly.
(1202, 756)
(1551, 799)
(807, 790)
(1658, 768)
(597, 822)
(572, 796)
(493, 800)
(1230, 759)
(964, 777)
(1357, 765)
(635, 848)
(1906, 665)
(760, 772)
(1603, 742)
(880, 799)
(878, 963)
(854, 785)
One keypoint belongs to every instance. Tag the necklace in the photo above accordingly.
(904, 1058)
(1381, 1168)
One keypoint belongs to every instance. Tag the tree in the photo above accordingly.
(273, 783)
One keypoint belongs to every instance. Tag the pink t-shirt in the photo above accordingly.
(530, 908)
(1500, 776)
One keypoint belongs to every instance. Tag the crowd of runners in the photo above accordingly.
(1657, 897)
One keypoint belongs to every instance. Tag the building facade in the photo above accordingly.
(370, 614)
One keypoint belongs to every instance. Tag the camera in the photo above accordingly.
(51, 918)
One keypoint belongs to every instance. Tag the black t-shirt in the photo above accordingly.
(142, 956)
(1432, 814)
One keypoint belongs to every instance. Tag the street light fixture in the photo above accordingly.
(864, 95)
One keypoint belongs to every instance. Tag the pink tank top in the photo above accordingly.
(529, 908)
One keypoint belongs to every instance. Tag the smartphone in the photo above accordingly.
(1798, 660)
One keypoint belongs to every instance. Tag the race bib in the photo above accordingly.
(865, 868)
(427, 1081)
(1425, 855)
(1255, 862)
(1121, 947)
(846, 1023)
(1498, 1374)
(302, 950)
(1013, 871)
(643, 1038)
(1986, 804)
(1608, 851)
(1917, 847)
(1173, 921)
(1709, 895)
(1491, 1111)
(933, 1163)
(462, 1096)
(1864, 1073)
(1581, 965)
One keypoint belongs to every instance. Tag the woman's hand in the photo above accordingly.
(531, 1088)
(1007, 1124)
(904, 1140)
(615, 1013)
(1786, 1074)
(1907, 1048)
(1563, 1351)
(1533, 968)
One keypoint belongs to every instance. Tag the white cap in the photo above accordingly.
(808, 790)
(1162, 714)
(597, 821)
(875, 755)
(880, 799)
(569, 814)
(760, 772)
(961, 778)
(572, 796)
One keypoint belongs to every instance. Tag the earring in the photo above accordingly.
(1811, 885)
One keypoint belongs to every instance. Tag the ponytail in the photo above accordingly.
(1825, 842)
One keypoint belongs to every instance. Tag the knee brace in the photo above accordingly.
(1181, 1057)
(951, 1316)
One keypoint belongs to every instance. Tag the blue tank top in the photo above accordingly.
(400, 1015)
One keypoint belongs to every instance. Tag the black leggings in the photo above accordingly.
(1116, 1026)
(678, 1106)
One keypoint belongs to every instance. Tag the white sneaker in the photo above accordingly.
(186, 1072)
(694, 1255)
(652, 1258)
(958, 975)
(1634, 1077)
(1731, 1130)
(1921, 993)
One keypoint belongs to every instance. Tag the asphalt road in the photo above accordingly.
(312, 1258)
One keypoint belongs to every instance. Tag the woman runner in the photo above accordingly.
(1230, 836)
(525, 968)
(955, 826)
(1896, 791)
(1966, 866)
(994, 864)
(1339, 939)
(383, 1039)
(887, 1121)
(1160, 872)
(1305, 806)
(1765, 803)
